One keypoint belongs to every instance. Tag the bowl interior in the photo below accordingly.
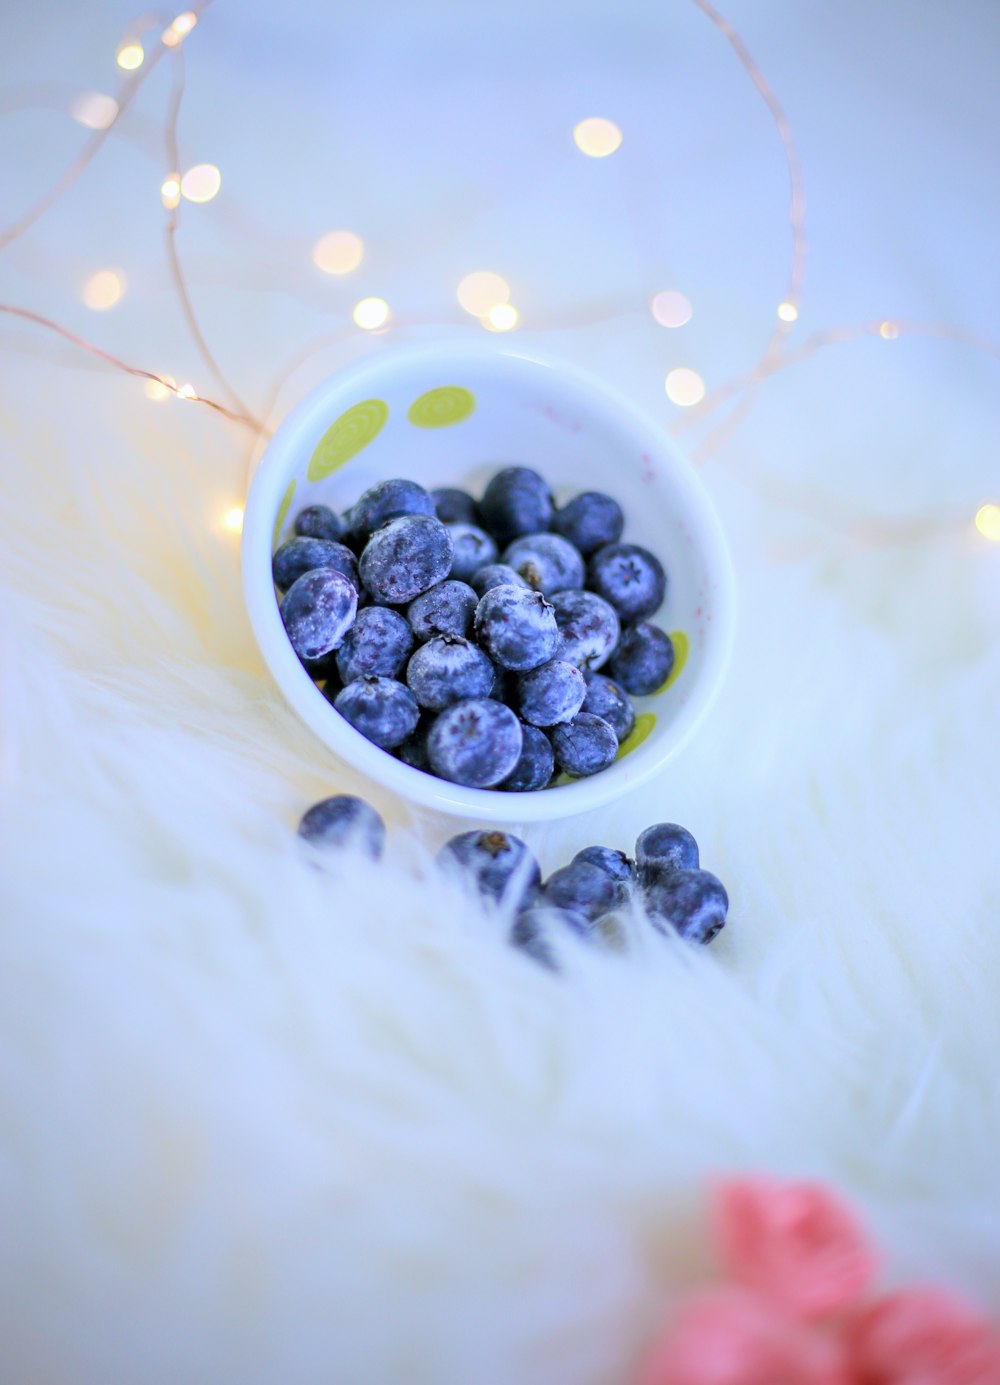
(454, 416)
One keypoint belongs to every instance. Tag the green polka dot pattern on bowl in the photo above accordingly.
(442, 407)
(282, 514)
(644, 724)
(346, 436)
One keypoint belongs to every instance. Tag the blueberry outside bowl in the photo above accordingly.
(453, 415)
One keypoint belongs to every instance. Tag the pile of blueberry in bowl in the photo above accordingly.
(493, 643)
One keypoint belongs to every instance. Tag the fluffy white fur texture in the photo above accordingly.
(259, 1124)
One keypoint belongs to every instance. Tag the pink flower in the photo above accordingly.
(923, 1336)
(731, 1337)
(794, 1243)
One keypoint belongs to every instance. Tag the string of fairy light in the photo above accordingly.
(484, 294)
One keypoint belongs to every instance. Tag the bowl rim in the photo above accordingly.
(297, 433)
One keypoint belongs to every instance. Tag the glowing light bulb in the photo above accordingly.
(684, 387)
(170, 191)
(501, 317)
(187, 392)
(371, 313)
(597, 137)
(338, 252)
(201, 183)
(233, 520)
(889, 331)
(94, 110)
(159, 391)
(482, 290)
(179, 29)
(130, 55)
(788, 312)
(671, 309)
(988, 522)
(103, 289)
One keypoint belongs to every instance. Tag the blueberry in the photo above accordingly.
(454, 506)
(693, 902)
(447, 669)
(589, 521)
(495, 575)
(344, 821)
(584, 888)
(499, 864)
(615, 863)
(404, 558)
(663, 849)
(516, 501)
(472, 549)
(318, 522)
(382, 709)
(547, 562)
(535, 930)
(323, 669)
(446, 609)
(298, 556)
(318, 610)
(629, 577)
(584, 745)
(476, 743)
(643, 659)
(388, 500)
(605, 699)
(517, 628)
(589, 628)
(379, 642)
(536, 765)
(552, 693)
(413, 751)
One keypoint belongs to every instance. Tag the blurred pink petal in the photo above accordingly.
(731, 1337)
(794, 1243)
(923, 1336)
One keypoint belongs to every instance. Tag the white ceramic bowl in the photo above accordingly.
(453, 415)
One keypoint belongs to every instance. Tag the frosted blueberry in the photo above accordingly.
(298, 556)
(516, 627)
(643, 659)
(629, 577)
(472, 549)
(317, 612)
(664, 848)
(453, 506)
(584, 888)
(589, 521)
(447, 669)
(318, 522)
(382, 709)
(344, 821)
(547, 562)
(537, 930)
(516, 501)
(589, 628)
(615, 863)
(536, 764)
(499, 864)
(586, 745)
(413, 751)
(404, 558)
(495, 575)
(446, 609)
(388, 500)
(476, 743)
(552, 693)
(605, 699)
(379, 642)
(693, 902)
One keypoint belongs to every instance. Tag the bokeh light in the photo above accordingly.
(501, 317)
(233, 520)
(179, 29)
(482, 290)
(597, 137)
(338, 252)
(670, 308)
(371, 313)
(201, 183)
(788, 312)
(684, 387)
(170, 191)
(187, 392)
(94, 110)
(988, 522)
(158, 392)
(104, 289)
(889, 331)
(130, 55)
